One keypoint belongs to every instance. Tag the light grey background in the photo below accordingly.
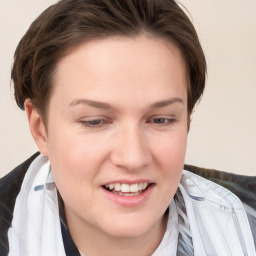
(223, 129)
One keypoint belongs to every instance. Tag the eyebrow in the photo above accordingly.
(103, 105)
(167, 102)
(92, 103)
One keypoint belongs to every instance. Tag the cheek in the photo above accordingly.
(171, 150)
(75, 155)
(74, 165)
(170, 156)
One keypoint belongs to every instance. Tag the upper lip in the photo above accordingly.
(129, 182)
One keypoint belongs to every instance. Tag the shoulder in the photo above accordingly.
(244, 187)
(10, 186)
(225, 189)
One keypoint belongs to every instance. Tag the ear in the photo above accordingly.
(37, 127)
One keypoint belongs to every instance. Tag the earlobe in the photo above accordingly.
(37, 127)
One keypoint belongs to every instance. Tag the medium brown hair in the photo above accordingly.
(68, 23)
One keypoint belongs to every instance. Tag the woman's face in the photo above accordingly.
(118, 120)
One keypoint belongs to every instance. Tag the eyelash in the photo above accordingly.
(102, 122)
(166, 121)
(98, 123)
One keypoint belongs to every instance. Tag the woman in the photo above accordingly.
(109, 88)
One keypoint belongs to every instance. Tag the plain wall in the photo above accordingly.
(222, 134)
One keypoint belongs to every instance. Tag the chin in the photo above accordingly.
(130, 227)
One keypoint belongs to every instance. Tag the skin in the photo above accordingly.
(140, 132)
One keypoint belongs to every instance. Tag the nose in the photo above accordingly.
(130, 149)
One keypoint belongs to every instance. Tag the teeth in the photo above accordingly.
(117, 187)
(111, 186)
(126, 188)
(144, 185)
(134, 188)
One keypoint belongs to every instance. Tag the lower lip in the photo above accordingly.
(129, 201)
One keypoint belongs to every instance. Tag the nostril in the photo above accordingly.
(129, 161)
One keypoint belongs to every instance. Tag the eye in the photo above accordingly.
(161, 121)
(95, 123)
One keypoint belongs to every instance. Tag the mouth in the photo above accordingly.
(123, 189)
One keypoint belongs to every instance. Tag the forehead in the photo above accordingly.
(124, 66)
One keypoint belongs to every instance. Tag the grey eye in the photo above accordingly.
(95, 122)
(160, 120)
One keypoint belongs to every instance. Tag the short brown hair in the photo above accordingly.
(68, 23)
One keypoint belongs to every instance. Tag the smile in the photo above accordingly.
(127, 193)
(124, 189)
